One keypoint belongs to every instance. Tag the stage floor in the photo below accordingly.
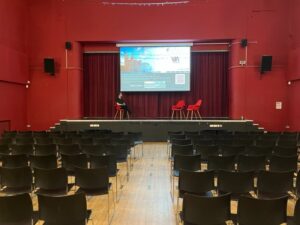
(156, 130)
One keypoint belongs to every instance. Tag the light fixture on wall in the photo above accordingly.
(144, 3)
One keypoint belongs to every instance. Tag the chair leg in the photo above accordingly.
(199, 114)
(127, 170)
(192, 113)
(117, 187)
(172, 114)
(183, 114)
(187, 114)
(116, 114)
(108, 220)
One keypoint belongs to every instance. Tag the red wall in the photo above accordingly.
(262, 22)
(294, 66)
(14, 61)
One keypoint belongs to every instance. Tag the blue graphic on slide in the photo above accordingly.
(155, 68)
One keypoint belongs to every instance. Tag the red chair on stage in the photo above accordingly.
(194, 109)
(178, 109)
(120, 112)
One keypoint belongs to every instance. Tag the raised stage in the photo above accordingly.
(156, 130)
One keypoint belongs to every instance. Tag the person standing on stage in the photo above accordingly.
(121, 102)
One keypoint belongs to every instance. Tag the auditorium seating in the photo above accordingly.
(205, 210)
(103, 149)
(24, 213)
(67, 209)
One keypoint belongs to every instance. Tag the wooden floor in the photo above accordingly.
(145, 199)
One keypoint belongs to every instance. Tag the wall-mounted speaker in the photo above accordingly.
(244, 43)
(49, 66)
(266, 63)
(68, 45)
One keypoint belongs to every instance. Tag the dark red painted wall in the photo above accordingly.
(293, 73)
(14, 61)
(53, 22)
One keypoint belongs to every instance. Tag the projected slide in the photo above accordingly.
(155, 69)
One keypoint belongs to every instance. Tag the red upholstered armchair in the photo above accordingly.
(194, 109)
(178, 109)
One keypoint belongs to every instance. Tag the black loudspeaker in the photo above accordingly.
(68, 45)
(49, 66)
(244, 43)
(266, 63)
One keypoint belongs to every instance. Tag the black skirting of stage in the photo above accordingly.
(156, 130)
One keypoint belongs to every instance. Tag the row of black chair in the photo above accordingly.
(199, 210)
(225, 150)
(240, 163)
(67, 209)
(71, 140)
(267, 185)
(52, 149)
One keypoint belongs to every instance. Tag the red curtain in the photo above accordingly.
(209, 81)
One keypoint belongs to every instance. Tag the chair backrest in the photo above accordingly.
(198, 103)
(24, 140)
(182, 150)
(251, 163)
(8, 205)
(102, 140)
(63, 140)
(221, 163)
(262, 211)
(203, 141)
(235, 182)
(43, 161)
(44, 140)
(67, 209)
(285, 151)
(69, 148)
(207, 150)
(98, 149)
(71, 161)
(266, 142)
(287, 142)
(283, 163)
(181, 141)
(274, 182)
(176, 135)
(198, 183)
(4, 149)
(120, 151)
(6, 140)
(14, 161)
(22, 149)
(109, 161)
(200, 210)
(187, 162)
(16, 178)
(227, 150)
(85, 141)
(45, 149)
(180, 104)
(259, 150)
(92, 179)
(51, 179)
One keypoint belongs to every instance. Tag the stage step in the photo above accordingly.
(157, 130)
